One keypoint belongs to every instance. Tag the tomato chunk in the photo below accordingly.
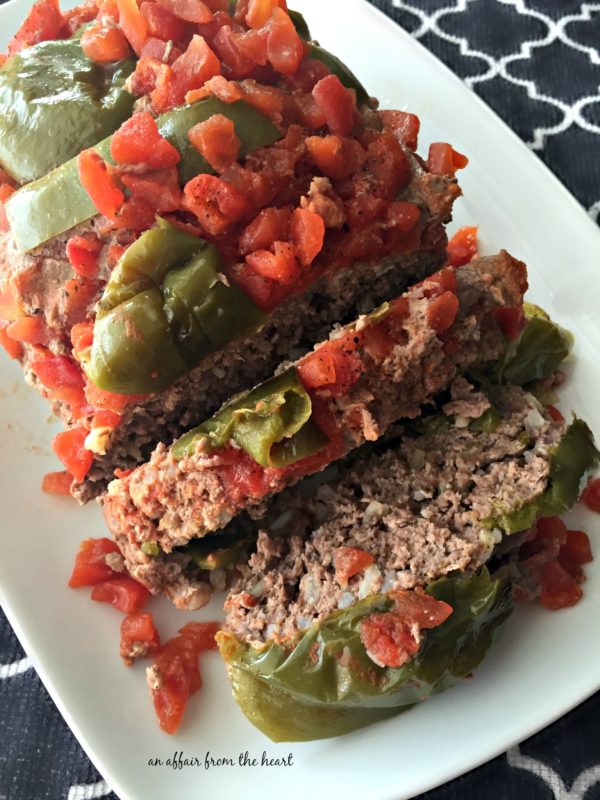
(421, 608)
(260, 12)
(336, 103)
(335, 156)
(278, 264)
(511, 321)
(333, 358)
(83, 252)
(90, 563)
(349, 561)
(444, 160)
(388, 639)
(559, 589)
(139, 637)
(13, 348)
(57, 371)
(132, 24)
(99, 183)
(463, 246)
(104, 43)
(272, 224)
(308, 235)
(215, 203)
(162, 23)
(138, 141)
(188, 10)
(70, 448)
(193, 68)
(405, 126)
(285, 49)
(57, 483)
(591, 495)
(44, 22)
(216, 140)
(30, 330)
(442, 312)
(122, 592)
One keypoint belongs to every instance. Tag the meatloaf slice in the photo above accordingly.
(179, 495)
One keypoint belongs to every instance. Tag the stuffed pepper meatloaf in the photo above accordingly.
(286, 202)
(349, 390)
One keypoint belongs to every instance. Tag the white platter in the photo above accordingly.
(545, 664)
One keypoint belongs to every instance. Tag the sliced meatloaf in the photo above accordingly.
(385, 366)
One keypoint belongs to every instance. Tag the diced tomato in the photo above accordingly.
(98, 181)
(160, 50)
(109, 401)
(350, 561)
(444, 160)
(235, 63)
(402, 215)
(318, 370)
(308, 235)
(83, 252)
(347, 368)
(267, 99)
(405, 126)
(139, 637)
(90, 563)
(336, 103)
(463, 246)
(388, 168)
(122, 592)
(114, 253)
(79, 294)
(551, 528)
(5, 192)
(267, 294)
(138, 141)
(278, 264)
(30, 330)
(559, 589)
(202, 634)
(216, 140)
(272, 224)
(136, 214)
(219, 87)
(105, 419)
(421, 608)
(285, 49)
(192, 69)
(70, 448)
(511, 321)
(308, 113)
(216, 203)
(44, 22)
(57, 483)
(188, 10)
(591, 495)
(162, 23)
(82, 336)
(442, 312)
(555, 414)
(132, 24)
(336, 157)
(57, 371)
(388, 639)
(13, 348)
(575, 552)
(76, 17)
(158, 190)
(444, 280)
(260, 12)
(104, 43)
(242, 476)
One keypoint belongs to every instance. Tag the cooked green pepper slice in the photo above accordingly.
(219, 551)
(272, 423)
(55, 102)
(300, 24)
(57, 202)
(327, 685)
(574, 457)
(337, 67)
(164, 308)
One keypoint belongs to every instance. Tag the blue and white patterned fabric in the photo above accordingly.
(537, 63)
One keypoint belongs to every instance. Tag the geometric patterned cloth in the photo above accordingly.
(536, 63)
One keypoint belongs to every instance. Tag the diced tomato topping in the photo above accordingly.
(308, 235)
(219, 87)
(5, 192)
(574, 553)
(139, 637)
(285, 49)
(336, 157)
(350, 561)
(30, 330)
(551, 528)
(332, 358)
(559, 589)
(404, 126)
(82, 336)
(79, 294)
(444, 160)
(235, 63)
(511, 321)
(216, 203)
(260, 12)
(104, 43)
(216, 140)
(388, 639)
(90, 563)
(132, 24)
(442, 281)
(267, 99)
(463, 246)
(402, 215)
(176, 669)
(57, 483)
(421, 608)
(70, 448)
(191, 70)
(10, 345)
(105, 419)
(109, 401)
(99, 182)
(122, 592)
(442, 312)
(278, 264)
(76, 17)
(266, 293)
(160, 50)
(44, 22)
(138, 141)
(83, 252)
(591, 495)
(188, 10)
(555, 414)
(336, 103)
(162, 23)
(57, 371)
(272, 224)
(158, 190)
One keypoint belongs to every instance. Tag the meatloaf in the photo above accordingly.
(349, 390)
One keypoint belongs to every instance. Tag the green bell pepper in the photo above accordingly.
(337, 67)
(327, 685)
(164, 308)
(57, 202)
(272, 423)
(55, 102)
(300, 24)
(574, 457)
(220, 550)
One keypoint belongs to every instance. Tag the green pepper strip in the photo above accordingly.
(54, 102)
(272, 423)
(57, 202)
(327, 685)
(164, 308)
